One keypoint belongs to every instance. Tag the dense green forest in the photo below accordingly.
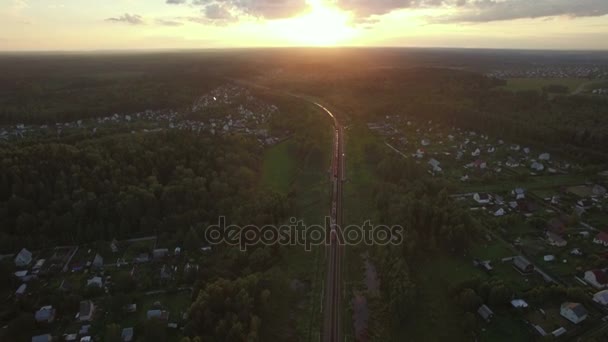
(125, 185)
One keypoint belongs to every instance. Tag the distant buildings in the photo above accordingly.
(23, 258)
(46, 314)
(485, 313)
(574, 312)
(597, 278)
(522, 264)
(87, 309)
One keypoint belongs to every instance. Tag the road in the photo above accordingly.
(332, 325)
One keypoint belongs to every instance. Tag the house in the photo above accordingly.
(142, 258)
(527, 206)
(127, 334)
(130, 308)
(601, 239)
(485, 313)
(559, 332)
(597, 278)
(512, 163)
(482, 198)
(601, 297)
(556, 240)
(556, 226)
(519, 193)
(499, 212)
(114, 246)
(97, 262)
(158, 314)
(177, 251)
(165, 272)
(598, 190)
(544, 157)
(522, 264)
(476, 153)
(42, 338)
(435, 165)
(536, 166)
(87, 309)
(425, 142)
(584, 204)
(23, 258)
(484, 265)
(160, 253)
(38, 265)
(95, 281)
(519, 303)
(480, 164)
(574, 312)
(46, 314)
(84, 330)
(70, 337)
(21, 290)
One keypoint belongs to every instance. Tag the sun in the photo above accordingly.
(323, 25)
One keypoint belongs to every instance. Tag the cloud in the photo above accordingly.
(217, 12)
(131, 19)
(231, 10)
(168, 22)
(367, 8)
(496, 10)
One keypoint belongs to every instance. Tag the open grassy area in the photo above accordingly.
(279, 168)
(522, 84)
(309, 184)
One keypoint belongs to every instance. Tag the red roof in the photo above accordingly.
(600, 277)
(602, 236)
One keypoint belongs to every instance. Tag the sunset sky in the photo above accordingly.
(162, 24)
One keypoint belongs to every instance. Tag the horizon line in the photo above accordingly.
(312, 47)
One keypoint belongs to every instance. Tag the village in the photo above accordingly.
(228, 109)
(550, 71)
(158, 276)
(545, 219)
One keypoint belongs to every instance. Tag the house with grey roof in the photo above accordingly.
(574, 312)
(23, 258)
(485, 313)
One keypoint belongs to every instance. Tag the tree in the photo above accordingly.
(113, 333)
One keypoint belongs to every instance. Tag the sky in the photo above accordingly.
(183, 24)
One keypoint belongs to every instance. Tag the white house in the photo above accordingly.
(536, 166)
(597, 279)
(435, 165)
(544, 157)
(601, 297)
(499, 212)
(23, 258)
(574, 312)
(95, 281)
(519, 193)
(482, 198)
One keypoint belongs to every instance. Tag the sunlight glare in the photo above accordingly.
(323, 25)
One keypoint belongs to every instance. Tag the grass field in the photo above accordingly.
(279, 168)
(522, 84)
(309, 183)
